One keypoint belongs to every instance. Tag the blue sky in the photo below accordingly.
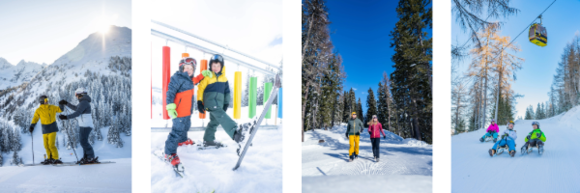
(535, 78)
(41, 31)
(360, 33)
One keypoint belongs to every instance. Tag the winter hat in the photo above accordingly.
(374, 116)
(492, 120)
(187, 61)
(80, 90)
(353, 113)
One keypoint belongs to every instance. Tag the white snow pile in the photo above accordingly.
(405, 165)
(415, 143)
(553, 171)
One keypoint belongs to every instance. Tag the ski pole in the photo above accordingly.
(67, 133)
(32, 147)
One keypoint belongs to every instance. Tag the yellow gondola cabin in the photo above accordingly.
(538, 35)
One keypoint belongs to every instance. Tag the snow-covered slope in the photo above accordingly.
(557, 170)
(211, 169)
(90, 178)
(405, 165)
(14, 75)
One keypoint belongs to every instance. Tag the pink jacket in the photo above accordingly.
(376, 130)
(493, 128)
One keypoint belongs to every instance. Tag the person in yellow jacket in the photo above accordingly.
(47, 115)
(353, 129)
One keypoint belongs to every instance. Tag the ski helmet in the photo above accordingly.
(80, 90)
(187, 61)
(43, 99)
(536, 123)
(216, 58)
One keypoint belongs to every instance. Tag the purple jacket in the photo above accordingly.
(493, 128)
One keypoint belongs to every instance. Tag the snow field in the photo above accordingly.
(405, 164)
(211, 169)
(557, 170)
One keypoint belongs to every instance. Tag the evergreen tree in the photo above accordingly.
(359, 110)
(371, 107)
(411, 79)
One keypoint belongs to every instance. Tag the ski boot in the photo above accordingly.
(186, 142)
(173, 159)
(513, 153)
(56, 161)
(94, 160)
(82, 161)
(491, 152)
(212, 144)
(350, 158)
(540, 149)
(495, 140)
(46, 161)
(481, 139)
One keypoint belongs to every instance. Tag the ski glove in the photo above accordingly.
(62, 117)
(207, 73)
(226, 107)
(31, 128)
(200, 107)
(63, 102)
(538, 135)
(346, 135)
(529, 137)
(171, 110)
(384, 137)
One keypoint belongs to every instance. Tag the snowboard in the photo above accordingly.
(256, 122)
(179, 169)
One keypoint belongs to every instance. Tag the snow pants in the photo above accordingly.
(510, 143)
(218, 116)
(490, 134)
(49, 140)
(353, 140)
(178, 134)
(534, 142)
(84, 138)
(375, 143)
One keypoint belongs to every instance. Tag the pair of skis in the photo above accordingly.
(65, 164)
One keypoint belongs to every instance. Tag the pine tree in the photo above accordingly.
(359, 110)
(411, 79)
(371, 107)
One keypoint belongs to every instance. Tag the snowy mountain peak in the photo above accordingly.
(98, 46)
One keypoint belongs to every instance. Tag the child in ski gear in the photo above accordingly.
(492, 130)
(84, 118)
(213, 96)
(375, 130)
(508, 137)
(179, 99)
(536, 137)
(47, 115)
(353, 129)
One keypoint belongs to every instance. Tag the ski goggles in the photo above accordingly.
(188, 61)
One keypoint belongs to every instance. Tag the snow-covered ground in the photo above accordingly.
(211, 169)
(90, 178)
(405, 166)
(557, 170)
